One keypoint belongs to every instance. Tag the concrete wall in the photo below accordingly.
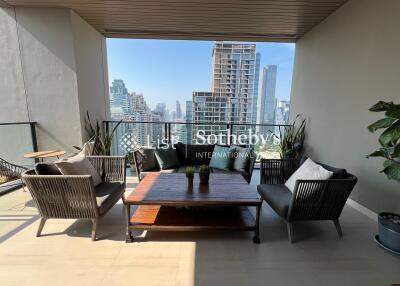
(91, 71)
(54, 69)
(342, 67)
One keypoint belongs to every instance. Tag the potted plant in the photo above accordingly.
(131, 161)
(189, 176)
(204, 174)
(389, 141)
(291, 138)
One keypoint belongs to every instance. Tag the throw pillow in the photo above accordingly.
(309, 170)
(78, 165)
(338, 173)
(167, 158)
(87, 148)
(46, 169)
(221, 158)
(194, 154)
(149, 160)
(241, 158)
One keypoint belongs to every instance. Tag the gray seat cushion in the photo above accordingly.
(107, 194)
(277, 196)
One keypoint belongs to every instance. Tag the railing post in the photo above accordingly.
(169, 132)
(165, 131)
(229, 133)
(32, 126)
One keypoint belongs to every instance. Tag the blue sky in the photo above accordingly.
(166, 71)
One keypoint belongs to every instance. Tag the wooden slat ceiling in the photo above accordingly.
(246, 20)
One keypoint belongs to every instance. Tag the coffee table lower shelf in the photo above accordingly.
(167, 218)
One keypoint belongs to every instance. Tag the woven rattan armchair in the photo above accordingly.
(10, 172)
(75, 197)
(310, 200)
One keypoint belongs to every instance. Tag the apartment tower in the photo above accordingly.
(234, 89)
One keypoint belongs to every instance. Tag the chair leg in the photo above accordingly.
(338, 227)
(40, 228)
(123, 198)
(289, 227)
(94, 229)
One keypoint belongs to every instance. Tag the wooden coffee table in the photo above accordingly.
(165, 203)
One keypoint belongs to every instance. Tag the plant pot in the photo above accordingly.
(132, 167)
(204, 178)
(389, 231)
(189, 181)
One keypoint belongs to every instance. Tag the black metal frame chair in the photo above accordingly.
(311, 199)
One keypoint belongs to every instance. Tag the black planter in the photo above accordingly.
(389, 232)
(204, 177)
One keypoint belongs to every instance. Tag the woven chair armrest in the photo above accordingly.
(277, 171)
(110, 168)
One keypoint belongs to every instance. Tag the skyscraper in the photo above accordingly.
(234, 89)
(189, 119)
(235, 75)
(178, 111)
(211, 110)
(162, 110)
(267, 97)
(119, 104)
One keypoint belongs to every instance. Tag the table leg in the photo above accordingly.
(128, 237)
(256, 238)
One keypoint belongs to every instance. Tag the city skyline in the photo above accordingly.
(166, 71)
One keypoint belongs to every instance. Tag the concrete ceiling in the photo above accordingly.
(246, 20)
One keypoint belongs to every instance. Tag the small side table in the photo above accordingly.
(45, 154)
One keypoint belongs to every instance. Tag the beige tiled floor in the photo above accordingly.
(65, 255)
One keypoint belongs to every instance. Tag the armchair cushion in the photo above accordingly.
(308, 171)
(338, 173)
(78, 165)
(107, 194)
(277, 196)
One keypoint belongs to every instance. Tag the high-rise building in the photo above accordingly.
(178, 111)
(235, 73)
(268, 102)
(119, 103)
(189, 119)
(234, 89)
(211, 111)
(161, 109)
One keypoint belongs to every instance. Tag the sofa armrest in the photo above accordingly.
(138, 158)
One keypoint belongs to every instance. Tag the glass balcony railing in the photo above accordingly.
(17, 139)
(130, 135)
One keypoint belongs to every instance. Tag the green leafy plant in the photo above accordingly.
(291, 138)
(102, 139)
(189, 172)
(204, 169)
(130, 158)
(389, 139)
